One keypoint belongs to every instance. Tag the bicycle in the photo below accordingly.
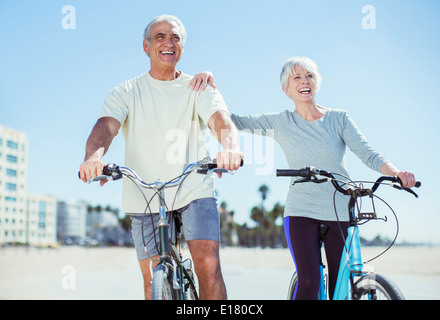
(354, 282)
(172, 278)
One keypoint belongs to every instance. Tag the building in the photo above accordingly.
(13, 173)
(72, 221)
(24, 219)
(41, 220)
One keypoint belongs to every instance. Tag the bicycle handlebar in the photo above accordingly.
(113, 172)
(309, 174)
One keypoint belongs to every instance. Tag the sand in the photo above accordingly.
(113, 273)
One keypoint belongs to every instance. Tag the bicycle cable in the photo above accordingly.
(397, 230)
(176, 179)
(143, 215)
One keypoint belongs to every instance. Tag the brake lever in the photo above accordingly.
(220, 170)
(313, 179)
(398, 187)
(99, 178)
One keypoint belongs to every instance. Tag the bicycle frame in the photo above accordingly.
(351, 264)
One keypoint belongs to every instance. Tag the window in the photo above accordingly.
(11, 186)
(12, 145)
(11, 173)
(41, 214)
(11, 159)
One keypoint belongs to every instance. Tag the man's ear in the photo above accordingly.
(146, 47)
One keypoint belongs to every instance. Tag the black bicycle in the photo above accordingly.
(354, 280)
(173, 277)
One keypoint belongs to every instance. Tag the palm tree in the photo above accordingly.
(264, 190)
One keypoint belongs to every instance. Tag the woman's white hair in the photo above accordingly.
(170, 19)
(304, 62)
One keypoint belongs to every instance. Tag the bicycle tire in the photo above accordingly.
(162, 284)
(292, 286)
(376, 287)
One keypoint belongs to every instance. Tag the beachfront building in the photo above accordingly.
(13, 171)
(41, 221)
(24, 219)
(71, 221)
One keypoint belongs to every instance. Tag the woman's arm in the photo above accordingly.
(357, 142)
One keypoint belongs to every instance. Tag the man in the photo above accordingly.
(163, 121)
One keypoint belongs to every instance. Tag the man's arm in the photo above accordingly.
(97, 145)
(227, 134)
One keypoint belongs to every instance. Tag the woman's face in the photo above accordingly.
(301, 86)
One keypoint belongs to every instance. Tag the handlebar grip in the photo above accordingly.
(417, 185)
(305, 173)
(287, 173)
(213, 165)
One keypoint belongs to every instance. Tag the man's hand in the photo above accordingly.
(201, 80)
(229, 159)
(225, 131)
(92, 168)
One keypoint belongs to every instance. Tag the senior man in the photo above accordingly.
(159, 111)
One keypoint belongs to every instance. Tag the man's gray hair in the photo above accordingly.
(304, 62)
(170, 19)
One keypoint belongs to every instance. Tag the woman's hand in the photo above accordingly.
(408, 179)
(201, 80)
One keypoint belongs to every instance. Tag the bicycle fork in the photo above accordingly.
(164, 246)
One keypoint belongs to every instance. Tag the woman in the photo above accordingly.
(312, 135)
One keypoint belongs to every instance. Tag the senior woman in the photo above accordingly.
(312, 135)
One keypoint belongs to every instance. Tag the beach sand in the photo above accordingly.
(113, 273)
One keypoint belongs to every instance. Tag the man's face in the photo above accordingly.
(165, 46)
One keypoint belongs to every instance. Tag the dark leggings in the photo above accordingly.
(302, 239)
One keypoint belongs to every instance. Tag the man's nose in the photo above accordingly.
(170, 42)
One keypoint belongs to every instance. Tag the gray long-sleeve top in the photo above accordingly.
(322, 144)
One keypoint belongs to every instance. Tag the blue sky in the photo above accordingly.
(53, 82)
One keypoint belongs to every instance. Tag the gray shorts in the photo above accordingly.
(200, 221)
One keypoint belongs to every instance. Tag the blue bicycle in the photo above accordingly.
(354, 281)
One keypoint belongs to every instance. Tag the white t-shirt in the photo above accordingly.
(164, 124)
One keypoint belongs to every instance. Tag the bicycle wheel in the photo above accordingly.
(376, 287)
(292, 286)
(162, 285)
